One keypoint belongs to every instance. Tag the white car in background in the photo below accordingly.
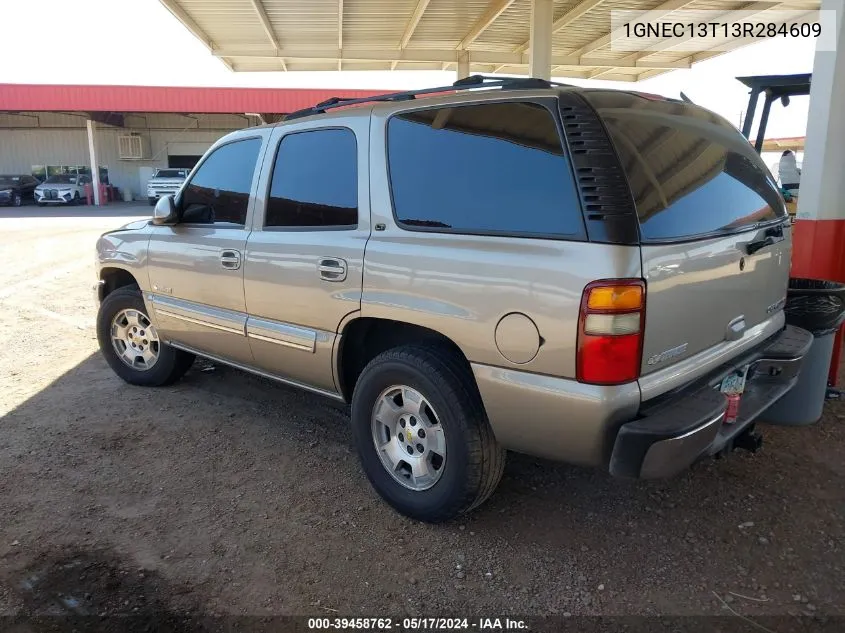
(62, 189)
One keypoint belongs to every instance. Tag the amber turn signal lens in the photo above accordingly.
(616, 298)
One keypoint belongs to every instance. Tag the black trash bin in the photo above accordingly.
(817, 306)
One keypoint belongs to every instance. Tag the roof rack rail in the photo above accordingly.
(467, 83)
(475, 81)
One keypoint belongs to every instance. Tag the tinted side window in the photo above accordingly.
(690, 171)
(315, 180)
(490, 168)
(219, 191)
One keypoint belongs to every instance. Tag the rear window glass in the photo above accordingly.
(690, 171)
(495, 168)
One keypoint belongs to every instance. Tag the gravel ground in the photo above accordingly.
(230, 495)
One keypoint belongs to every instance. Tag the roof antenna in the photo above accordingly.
(685, 98)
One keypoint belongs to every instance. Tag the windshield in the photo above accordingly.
(61, 179)
(170, 173)
(9, 180)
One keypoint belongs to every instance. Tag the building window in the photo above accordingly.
(43, 172)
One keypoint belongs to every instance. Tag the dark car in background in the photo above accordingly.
(16, 189)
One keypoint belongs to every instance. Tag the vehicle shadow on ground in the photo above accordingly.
(212, 477)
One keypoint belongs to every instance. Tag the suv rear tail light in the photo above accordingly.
(610, 332)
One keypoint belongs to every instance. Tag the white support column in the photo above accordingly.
(819, 234)
(540, 46)
(822, 193)
(463, 65)
(92, 155)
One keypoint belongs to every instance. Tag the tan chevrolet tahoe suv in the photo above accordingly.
(590, 276)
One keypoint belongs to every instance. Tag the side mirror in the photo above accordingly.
(165, 211)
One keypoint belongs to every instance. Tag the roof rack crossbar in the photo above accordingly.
(468, 83)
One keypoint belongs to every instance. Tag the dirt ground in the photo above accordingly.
(230, 495)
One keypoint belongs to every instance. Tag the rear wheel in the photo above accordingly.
(130, 344)
(422, 434)
(17, 200)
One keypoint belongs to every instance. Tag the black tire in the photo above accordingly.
(171, 364)
(17, 200)
(474, 460)
(152, 201)
(42, 204)
(76, 199)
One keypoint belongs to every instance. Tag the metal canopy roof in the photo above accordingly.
(493, 35)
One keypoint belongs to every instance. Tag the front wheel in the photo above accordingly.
(422, 434)
(130, 344)
(76, 199)
(17, 200)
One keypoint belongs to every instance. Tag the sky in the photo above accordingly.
(139, 42)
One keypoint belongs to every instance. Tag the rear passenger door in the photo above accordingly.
(304, 260)
(196, 266)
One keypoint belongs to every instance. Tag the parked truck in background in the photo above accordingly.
(165, 182)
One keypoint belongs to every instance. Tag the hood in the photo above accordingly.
(174, 181)
(135, 225)
(57, 185)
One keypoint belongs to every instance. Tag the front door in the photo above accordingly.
(304, 261)
(196, 266)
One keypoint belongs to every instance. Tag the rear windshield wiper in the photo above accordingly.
(774, 235)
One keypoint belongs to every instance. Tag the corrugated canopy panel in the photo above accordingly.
(287, 35)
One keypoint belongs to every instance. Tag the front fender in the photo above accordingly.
(125, 249)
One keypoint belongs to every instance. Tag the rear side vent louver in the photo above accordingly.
(605, 196)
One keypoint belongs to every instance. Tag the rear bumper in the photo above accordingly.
(673, 432)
